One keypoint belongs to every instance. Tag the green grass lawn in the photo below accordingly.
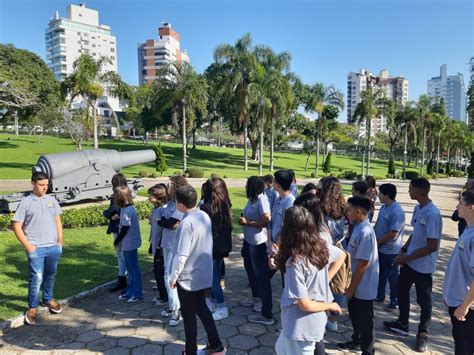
(19, 154)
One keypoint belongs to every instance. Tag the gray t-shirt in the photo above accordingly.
(133, 239)
(272, 195)
(427, 224)
(38, 215)
(278, 215)
(254, 211)
(460, 271)
(169, 235)
(194, 241)
(390, 218)
(303, 282)
(337, 227)
(156, 232)
(363, 246)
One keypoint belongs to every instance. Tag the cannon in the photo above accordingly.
(81, 175)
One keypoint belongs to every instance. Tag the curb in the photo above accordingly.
(19, 320)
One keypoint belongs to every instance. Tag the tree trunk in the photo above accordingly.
(194, 138)
(16, 127)
(272, 136)
(369, 129)
(96, 135)
(185, 159)
(363, 155)
(260, 160)
(405, 153)
(246, 164)
(437, 154)
(318, 134)
(307, 161)
(254, 147)
(219, 138)
(423, 151)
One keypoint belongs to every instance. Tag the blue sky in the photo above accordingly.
(327, 39)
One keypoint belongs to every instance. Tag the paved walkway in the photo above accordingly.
(102, 324)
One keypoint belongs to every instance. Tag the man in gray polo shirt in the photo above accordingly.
(37, 225)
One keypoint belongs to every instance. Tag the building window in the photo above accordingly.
(112, 57)
(78, 33)
(93, 45)
(79, 51)
(112, 50)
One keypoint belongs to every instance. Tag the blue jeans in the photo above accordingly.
(216, 291)
(134, 287)
(390, 272)
(256, 265)
(42, 267)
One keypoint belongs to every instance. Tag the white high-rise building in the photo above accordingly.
(451, 89)
(396, 88)
(152, 54)
(80, 33)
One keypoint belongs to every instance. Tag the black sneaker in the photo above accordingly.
(350, 346)
(397, 327)
(421, 342)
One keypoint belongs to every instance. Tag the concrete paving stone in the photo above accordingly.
(252, 329)
(234, 320)
(131, 342)
(242, 342)
(160, 336)
(174, 349)
(140, 322)
(102, 344)
(262, 350)
(154, 312)
(72, 346)
(89, 336)
(126, 315)
(140, 306)
(241, 311)
(268, 339)
(154, 349)
(109, 324)
(122, 332)
(117, 351)
(83, 328)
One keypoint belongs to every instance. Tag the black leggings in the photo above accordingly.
(159, 271)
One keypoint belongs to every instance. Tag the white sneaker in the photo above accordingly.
(211, 305)
(220, 313)
(175, 319)
(134, 300)
(257, 307)
(332, 326)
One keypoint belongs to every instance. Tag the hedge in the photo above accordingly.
(86, 217)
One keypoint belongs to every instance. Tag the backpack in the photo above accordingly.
(342, 279)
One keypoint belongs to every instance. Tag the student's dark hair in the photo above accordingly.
(360, 187)
(293, 176)
(468, 197)
(118, 180)
(370, 181)
(389, 190)
(421, 184)
(39, 175)
(268, 178)
(186, 195)
(254, 187)
(160, 192)
(360, 202)
(311, 203)
(216, 197)
(300, 240)
(331, 198)
(122, 196)
(309, 187)
(176, 181)
(284, 179)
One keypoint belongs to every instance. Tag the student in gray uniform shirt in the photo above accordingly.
(191, 271)
(37, 226)
(303, 258)
(365, 276)
(389, 232)
(458, 288)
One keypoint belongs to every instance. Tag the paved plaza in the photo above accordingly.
(101, 323)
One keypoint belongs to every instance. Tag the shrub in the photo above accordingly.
(195, 173)
(333, 175)
(327, 164)
(143, 173)
(160, 160)
(380, 177)
(410, 175)
(359, 177)
(391, 166)
(214, 175)
(224, 177)
(350, 175)
(448, 169)
(5, 220)
(313, 175)
(457, 173)
(340, 170)
(177, 173)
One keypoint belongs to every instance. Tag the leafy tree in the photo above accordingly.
(424, 105)
(160, 160)
(28, 90)
(391, 166)
(327, 164)
(407, 119)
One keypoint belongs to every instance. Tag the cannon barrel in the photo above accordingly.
(61, 164)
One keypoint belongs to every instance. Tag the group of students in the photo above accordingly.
(312, 238)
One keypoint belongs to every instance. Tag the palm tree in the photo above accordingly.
(240, 64)
(373, 104)
(88, 82)
(276, 85)
(406, 118)
(185, 93)
(424, 115)
(318, 97)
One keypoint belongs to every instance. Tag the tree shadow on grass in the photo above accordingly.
(5, 145)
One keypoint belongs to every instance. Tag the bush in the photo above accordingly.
(359, 177)
(313, 175)
(214, 175)
(379, 177)
(160, 160)
(340, 170)
(143, 173)
(391, 166)
(195, 173)
(448, 169)
(410, 175)
(224, 177)
(177, 173)
(327, 164)
(456, 173)
(350, 175)
(5, 220)
(332, 175)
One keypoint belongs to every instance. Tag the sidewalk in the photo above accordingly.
(103, 324)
